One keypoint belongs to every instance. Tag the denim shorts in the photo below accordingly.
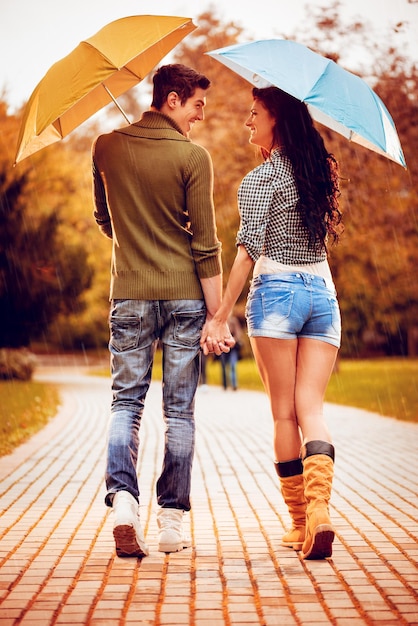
(293, 305)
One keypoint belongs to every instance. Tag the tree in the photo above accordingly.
(41, 274)
(374, 263)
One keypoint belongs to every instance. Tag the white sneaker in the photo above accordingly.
(127, 530)
(171, 537)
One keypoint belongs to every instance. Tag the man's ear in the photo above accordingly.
(172, 99)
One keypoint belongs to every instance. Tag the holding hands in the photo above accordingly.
(216, 337)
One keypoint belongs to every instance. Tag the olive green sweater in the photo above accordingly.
(153, 195)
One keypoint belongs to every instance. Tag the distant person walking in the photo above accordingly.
(229, 360)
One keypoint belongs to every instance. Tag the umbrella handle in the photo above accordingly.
(117, 104)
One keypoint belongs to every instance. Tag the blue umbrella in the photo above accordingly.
(335, 97)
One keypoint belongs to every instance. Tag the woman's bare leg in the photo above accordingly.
(315, 362)
(295, 374)
(277, 363)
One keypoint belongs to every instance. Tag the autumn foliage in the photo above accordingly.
(54, 264)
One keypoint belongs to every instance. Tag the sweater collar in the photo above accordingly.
(156, 119)
(154, 123)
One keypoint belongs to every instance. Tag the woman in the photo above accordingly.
(289, 212)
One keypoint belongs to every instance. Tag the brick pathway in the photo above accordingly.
(57, 558)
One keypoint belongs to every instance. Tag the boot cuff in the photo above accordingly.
(318, 447)
(289, 468)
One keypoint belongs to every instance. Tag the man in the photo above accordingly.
(153, 193)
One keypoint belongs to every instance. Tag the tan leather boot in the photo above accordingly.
(292, 488)
(318, 471)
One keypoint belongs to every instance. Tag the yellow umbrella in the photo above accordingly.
(96, 72)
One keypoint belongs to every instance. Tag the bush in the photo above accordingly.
(16, 364)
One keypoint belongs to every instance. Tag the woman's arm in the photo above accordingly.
(216, 332)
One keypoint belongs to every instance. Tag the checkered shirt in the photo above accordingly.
(271, 224)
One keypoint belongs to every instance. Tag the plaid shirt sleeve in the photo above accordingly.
(271, 223)
(267, 200)
(254, 200)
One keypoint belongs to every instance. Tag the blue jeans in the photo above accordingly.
(136, 327)
(287, 306)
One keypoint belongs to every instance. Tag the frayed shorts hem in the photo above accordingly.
(273, 334)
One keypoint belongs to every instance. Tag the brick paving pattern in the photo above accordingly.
(57, 558)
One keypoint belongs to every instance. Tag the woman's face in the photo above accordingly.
(261, 124)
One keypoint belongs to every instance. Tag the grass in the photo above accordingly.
(25, 408)
(386, 386)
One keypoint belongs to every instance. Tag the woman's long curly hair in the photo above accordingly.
(315, 169)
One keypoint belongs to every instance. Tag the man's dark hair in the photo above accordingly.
(179, 78)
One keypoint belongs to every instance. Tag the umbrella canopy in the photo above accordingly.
(96, 72)
(335, 97)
